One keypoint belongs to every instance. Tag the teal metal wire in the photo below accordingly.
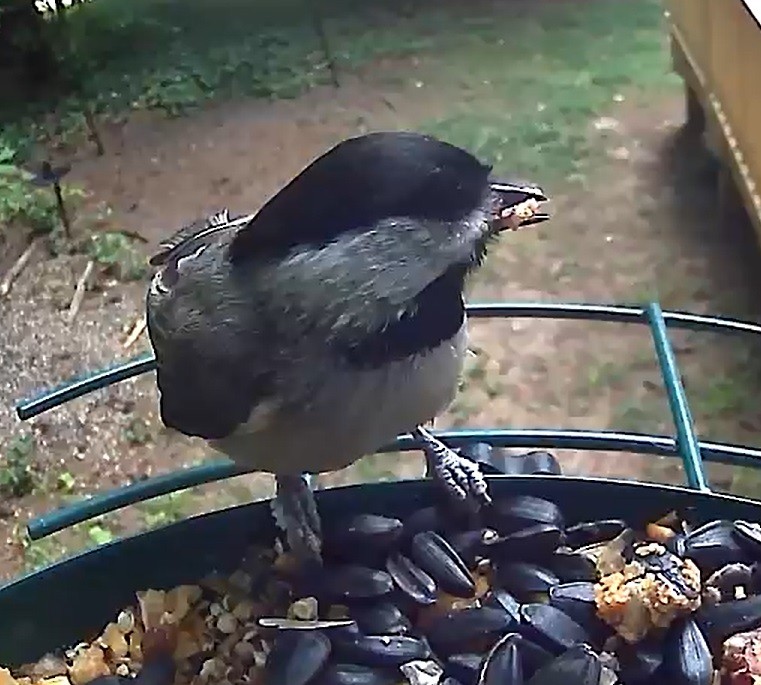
(686, 441)
(88, 382)
(536, 438)
(693, 452)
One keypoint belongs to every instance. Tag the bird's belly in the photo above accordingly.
(354, 415)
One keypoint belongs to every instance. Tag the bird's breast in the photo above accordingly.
(351, 414)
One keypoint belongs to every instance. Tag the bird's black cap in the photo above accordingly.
(362, 181)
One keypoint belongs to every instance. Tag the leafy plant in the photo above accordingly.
(174, 93)
(137, 431)
(17, 475)
(166, 509)
(100, 535)
(65, 482)
(117, 253)
(37, 553)
(20, 202)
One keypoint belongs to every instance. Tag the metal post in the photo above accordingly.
(687, 442)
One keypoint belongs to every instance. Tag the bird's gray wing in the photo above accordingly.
(214, 345)
(209, 382)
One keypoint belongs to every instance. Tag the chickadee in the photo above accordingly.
(313, 333)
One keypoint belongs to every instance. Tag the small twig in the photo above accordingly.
(93, 131)
(134, 235)
(18, 266)
(47, 176)
(318, 23)
(62, 208)
(137, 330)
(79, 291)
(387, 101)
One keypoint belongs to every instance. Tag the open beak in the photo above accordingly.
(517, 205)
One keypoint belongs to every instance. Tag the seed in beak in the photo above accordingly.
(511, 218)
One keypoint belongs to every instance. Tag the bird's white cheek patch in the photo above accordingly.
(190, 257)
(157, 285)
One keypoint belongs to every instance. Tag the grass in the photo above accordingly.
(38, 553)
(723, 396)
(137, 431)
(535, 91)
(166, 509)
(529, 76)
(154, 513)
(605, 374)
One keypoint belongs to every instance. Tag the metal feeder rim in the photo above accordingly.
(403, 483)
(686, 444)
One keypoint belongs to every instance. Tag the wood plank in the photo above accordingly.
(753, 7)
(712, 45)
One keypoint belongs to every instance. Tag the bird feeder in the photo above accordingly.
(59, 605)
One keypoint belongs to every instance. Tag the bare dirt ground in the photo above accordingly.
(643, 226)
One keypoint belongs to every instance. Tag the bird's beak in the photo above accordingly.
(517, 205)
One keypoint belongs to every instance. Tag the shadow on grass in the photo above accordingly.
(730, 243)
(725, 404)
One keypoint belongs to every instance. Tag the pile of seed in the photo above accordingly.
(509, 596)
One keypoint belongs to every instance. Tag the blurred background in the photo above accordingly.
(152, 113)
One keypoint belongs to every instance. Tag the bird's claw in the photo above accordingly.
(295, 511)
(460, 476)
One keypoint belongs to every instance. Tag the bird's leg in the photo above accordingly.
(429, 462)
(295, 511)
(460, 477)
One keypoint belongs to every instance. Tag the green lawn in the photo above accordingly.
(527, 75)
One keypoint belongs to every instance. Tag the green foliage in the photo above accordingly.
(173, 92)
(137, 431)
(65, 482)
(98, 33)
(167, 509)
(38, 553)
(100, 535)
(20, 201)
(118, 254)
(532, 87)
(17, 474)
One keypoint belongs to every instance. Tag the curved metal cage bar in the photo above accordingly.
(88, 382)
(694, 453)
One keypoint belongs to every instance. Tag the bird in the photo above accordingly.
(303, 337)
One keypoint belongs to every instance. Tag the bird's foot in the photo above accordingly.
(460, 477)
(295, 511)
